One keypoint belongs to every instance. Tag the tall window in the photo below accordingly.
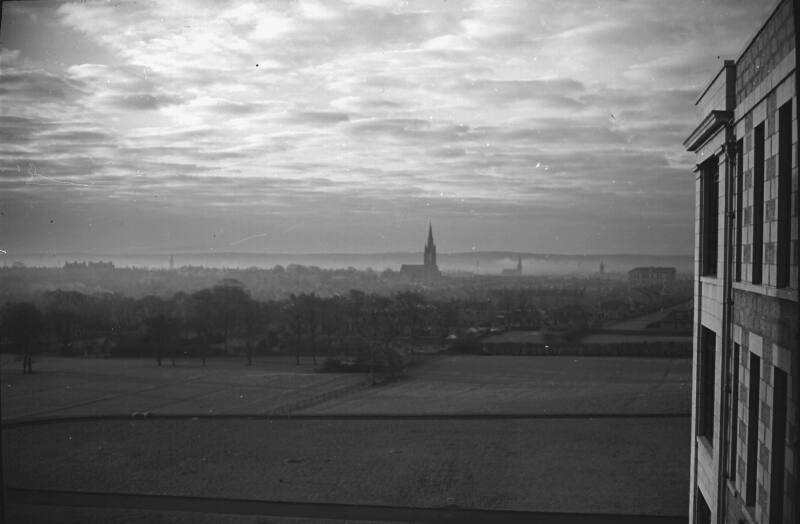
(703, 511)
(733, 414)
(784, 194)
(705, 415)
(739, 207)
(709, 191)
(758, 204)
(752, 429)
(777, 466)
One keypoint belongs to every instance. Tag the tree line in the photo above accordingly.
(225, 319)
(374, 328)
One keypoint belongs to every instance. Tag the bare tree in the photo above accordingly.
(253, 322)
(410, 309)
(23, 323)
(63, 310)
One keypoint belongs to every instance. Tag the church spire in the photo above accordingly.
(430, 250)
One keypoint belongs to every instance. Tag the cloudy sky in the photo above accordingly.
(550, 126)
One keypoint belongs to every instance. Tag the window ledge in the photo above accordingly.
(784, 293)
(706, 443)
(746, 511)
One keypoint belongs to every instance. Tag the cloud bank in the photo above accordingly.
(551, 126)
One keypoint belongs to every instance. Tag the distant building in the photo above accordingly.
(428, 268)
(516, 271)
(744, 451)
(95, 266)
(651, 275)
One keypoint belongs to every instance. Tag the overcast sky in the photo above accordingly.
(545, 126)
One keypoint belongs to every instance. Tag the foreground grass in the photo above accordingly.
(582, 465)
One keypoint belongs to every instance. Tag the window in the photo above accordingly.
(703, 511)
(778, 458)
(733, 418)
(705, 417)
(752, 429)
(739, 207)
(758, 205)
(709, 190)
(784, 194)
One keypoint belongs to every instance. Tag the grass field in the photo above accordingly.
(642, 321)
(644, 338)
(625, 464)
(71, 387)
(584, 465)
(448, 384)
(541, 385)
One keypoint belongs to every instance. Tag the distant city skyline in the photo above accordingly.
(346, 127)
(489, 262)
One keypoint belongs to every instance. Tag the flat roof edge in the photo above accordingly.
(758, 31)
(725, 64)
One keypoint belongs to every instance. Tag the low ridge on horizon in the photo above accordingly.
(340, 253)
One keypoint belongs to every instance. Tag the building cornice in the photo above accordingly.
(707, 128)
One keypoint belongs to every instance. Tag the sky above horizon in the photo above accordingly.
(550, 126)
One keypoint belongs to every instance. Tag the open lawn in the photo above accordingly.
(75, 386)
(594, 464)
(642, 321)
(538, 385)
(629, 338)
(447, 384)
(582, 465)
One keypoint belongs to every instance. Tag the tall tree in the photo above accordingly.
(410, 309)
(63, 310)
(216, 312)
(254, 323)
(448, 317)
(305, 312)
(23, 322)
(294, 311)
(202, 316)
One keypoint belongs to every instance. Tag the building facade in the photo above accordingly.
(651, 275)
(745, 374)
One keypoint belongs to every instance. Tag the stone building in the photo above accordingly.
(428, 268)
(744, 396)
(651, 275)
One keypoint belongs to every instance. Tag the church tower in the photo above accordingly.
(430, 251)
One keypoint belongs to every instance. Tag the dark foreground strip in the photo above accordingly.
(82, 499)
(22, 422)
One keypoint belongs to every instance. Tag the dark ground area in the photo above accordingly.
(622, 464)
(581, 465)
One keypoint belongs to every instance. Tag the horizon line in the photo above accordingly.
(347, 254)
